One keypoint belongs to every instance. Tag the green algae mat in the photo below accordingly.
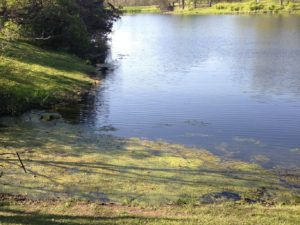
(65, 161)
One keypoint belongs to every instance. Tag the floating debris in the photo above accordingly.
(248, 140)
(108, 128)
(164, 125)
(260, 158)
(196, 123)
(195, 135)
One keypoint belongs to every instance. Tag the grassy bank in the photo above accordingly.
(31, 77)
(56, 212)
(263, 7)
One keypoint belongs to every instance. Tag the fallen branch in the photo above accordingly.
(21, 162)
(19, 158)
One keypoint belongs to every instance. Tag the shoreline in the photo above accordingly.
(129, 171)
(53, 171)
(243, 8)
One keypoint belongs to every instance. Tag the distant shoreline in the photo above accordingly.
(244, 8)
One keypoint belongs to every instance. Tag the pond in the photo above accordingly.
(230, 84)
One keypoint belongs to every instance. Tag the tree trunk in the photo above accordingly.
(209, 3)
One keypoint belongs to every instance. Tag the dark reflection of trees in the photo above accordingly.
(96, 113)
(94, 105)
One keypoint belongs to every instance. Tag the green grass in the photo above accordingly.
(33, 77)
(140, 9)
(76, 212)
(249, 7)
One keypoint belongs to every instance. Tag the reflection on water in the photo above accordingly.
(227, 83)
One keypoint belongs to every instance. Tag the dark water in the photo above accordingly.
(230, 84)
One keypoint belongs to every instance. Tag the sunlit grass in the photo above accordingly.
(248, 7)
(140, 9)
(32, 77)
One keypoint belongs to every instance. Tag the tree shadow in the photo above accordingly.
(35, 218)
(25, 78)
(26, 53)
(67, 160)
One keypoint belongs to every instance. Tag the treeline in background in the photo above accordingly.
(241, 5)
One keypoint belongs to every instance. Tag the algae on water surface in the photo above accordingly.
(69, 161)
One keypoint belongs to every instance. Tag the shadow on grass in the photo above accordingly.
(67, 160)
(24, 214)
(136, 172)
(35, 78)
(39, 80)
(31, 55)
(34, 218)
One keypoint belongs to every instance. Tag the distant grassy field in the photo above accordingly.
(250, 7)
(33, 77)
(141, 9)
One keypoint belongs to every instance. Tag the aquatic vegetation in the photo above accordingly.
(67, 161)
(248, 140)
(189, 134)
(196, 123)
(260, 158)
(108, 128)
(295, 150)
(290, 177)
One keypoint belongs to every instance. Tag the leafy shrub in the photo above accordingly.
(10, 30)
(272, 7)
(221, 6)
(229, 6)
(236, 8)
(256, 6)
(292, 6)
(78, 26)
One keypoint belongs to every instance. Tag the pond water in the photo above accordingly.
(230, 84)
